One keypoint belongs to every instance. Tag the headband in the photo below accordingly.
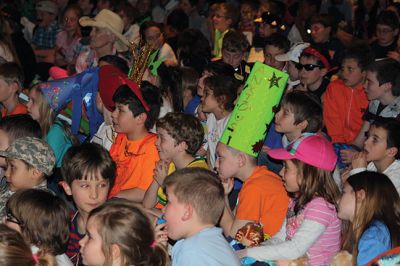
(321, 57)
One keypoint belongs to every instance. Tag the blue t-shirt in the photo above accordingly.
(208, 247)
(58, 141)
(192, 105)
(374, 241)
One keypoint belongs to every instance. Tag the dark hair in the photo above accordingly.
(360, 14)
(171, 85)
(277, 8)
(12, 72)
(325, 20)
(306, 107)
(151, 95)
(387, 71)
(44, 218)
(278, 40)
(200, 188)
(116, 61)
(316, 3)
(130, 11)
(253, 4)
(231, 12)
(217, 68)
(81, 161)
(392, 128)
(224, 89)
(21, 125)
(235, 42)
(361, 53)
(190, 80)
(148, 24)
(183, 128)
(178, 20)
(388, 18)
(381, 203)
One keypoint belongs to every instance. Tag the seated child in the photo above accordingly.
(89, 173)
(313, 68)
(14, 127)
(218, 100)
(370, 201)
(387, 29)
(11, 81)
(345, 100)
(42, 219)
(312, 227)
(248, 12)
(29, 162)
(134, 150)
(195, 205)
(15, 251)
(275, 45)
(381, 151)
(262, 199)
(123, 235)
(179, 137)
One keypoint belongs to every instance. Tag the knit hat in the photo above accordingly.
(312, 149)
(294, 53)
(111, 21)
(34, 152)
(47, 6)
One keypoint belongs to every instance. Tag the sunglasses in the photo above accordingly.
(307, 67)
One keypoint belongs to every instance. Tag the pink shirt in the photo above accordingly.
(318, 210)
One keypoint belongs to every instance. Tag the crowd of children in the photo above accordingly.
(114, 155)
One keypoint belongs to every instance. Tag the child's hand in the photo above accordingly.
(161, 234)
(359, 160)
(161, 171)
(227, 183)
(394, 55)
(200, 114)
(345, 174)
(347, 155)
(265, 149)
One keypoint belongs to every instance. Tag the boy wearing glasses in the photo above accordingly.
(313, 67)
(345, 100)
(387, 29)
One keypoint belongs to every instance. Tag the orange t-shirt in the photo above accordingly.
(19, 109)
(263, 199)
(135, 161)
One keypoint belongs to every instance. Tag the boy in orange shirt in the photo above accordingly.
(345, 101)
(262, 199)
(134, 149)
(11, 80)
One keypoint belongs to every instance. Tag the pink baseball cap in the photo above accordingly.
(312, 149)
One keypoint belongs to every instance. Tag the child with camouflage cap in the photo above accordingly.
(29, 161)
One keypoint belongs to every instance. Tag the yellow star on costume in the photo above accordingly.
(274, 81)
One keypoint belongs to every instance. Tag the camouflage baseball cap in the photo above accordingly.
(34, 152)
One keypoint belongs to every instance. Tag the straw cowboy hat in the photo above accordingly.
(111, 21)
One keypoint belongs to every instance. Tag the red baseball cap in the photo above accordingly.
(312, 149)
(110, 79)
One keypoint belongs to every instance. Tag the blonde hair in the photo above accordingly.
(381, 203)
(314, 182)
(47, 116)
(120, 222)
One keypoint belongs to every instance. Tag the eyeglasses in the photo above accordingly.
(307, 67)
(11, 218)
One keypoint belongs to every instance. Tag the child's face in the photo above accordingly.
(32, 105)
(320, 33)
(266, 30)
(373, 90)
(44, 18)
(166, 145)
(347, 203)
(4, 144)
(175, 214)
(88, 194)
(91, 245)
(289, 176)
(220, 21)
(375, 146)
(385, 34)
(227, 163)
(70, 21)
(99, 37)
(154, 37)
(18, 175)
(232, 58)
(186, 6)
(352, 74)
(310, 77)
(284, 121)
(293, 71)
(247, 14)
(209, 102)
(123, 119)
(270, 52)
(6, 91)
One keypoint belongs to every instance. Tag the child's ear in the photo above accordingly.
(115, 252)
(396, 32)
(387, 87)
(303, 125)
(242, 159)
(141, 118)
(392, 151)
(323, 72)
(188, 212)
(360, 195)
(183, 146)
(36, 173)
(66, 188)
